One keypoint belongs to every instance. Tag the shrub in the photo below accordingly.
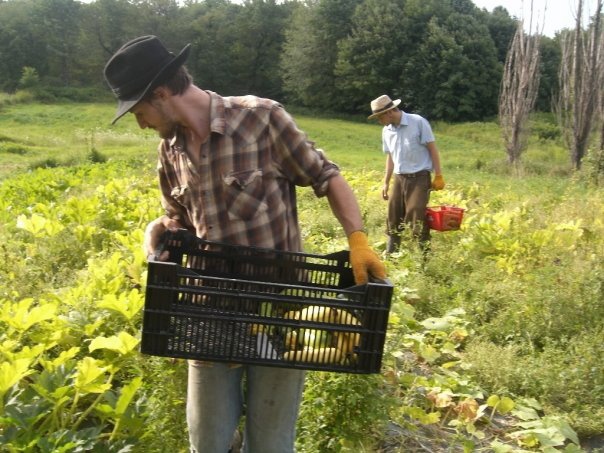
(29, 78)
(20, 97)
(546, 131)
(342, 412)
(53, 94)
(565, 377)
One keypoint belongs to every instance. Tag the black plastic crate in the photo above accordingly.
(248, 305)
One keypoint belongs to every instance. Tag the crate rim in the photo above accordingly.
(446, 206)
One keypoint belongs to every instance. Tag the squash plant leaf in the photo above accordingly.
(12, 372)
(88, 376)
(127, 394)
(123, 343)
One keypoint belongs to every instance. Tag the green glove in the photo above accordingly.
(364, 260)
(438, 183)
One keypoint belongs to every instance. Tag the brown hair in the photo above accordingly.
(177, 83)
(180, 81)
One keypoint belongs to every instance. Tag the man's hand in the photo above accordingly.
(153, 234)
(385, 191)
(438, 183)
(364, 260)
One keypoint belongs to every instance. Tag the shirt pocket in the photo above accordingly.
(413, 139)
(245, 194)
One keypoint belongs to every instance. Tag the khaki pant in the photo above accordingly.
(407, 208)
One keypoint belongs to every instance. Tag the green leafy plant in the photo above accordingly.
(494, 339)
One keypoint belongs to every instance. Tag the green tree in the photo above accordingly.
(549, 63)
(435, 54)
(237, 48)
(58, 21)
(326, 54)
(20, 44)
(105, 25)
(300, 58)
(454, 72)
(213, 35)
(501, 28)
(371, 58)
(162, 18)
(260, 35)
(111, 23)
(310, 51)
(436, 70)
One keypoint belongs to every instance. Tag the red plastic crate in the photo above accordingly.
(444, 218)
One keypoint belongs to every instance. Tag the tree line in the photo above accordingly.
(443, 58)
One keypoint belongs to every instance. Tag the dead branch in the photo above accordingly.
(581, 77)
(519, 89)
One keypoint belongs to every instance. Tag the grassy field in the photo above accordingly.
(495, 340)
(34, 135)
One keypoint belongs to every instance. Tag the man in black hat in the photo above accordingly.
(228, 168)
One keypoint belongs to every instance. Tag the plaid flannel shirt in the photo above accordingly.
(243, 190)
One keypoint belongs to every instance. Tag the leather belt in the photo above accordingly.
(415, 175)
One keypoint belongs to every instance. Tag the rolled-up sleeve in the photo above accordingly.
(296, 156)
(172, 208)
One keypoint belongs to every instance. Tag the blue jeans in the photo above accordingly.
(215, 399)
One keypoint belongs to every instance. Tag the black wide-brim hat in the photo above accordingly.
(139, 66)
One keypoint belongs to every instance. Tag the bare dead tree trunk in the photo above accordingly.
(599, 158)
(580, 83)
(519, 89)
(601, 114)
(600, 72)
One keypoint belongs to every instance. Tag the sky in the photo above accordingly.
(552, 15)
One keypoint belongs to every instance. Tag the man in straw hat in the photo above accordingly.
(228, 170)
(411, 155)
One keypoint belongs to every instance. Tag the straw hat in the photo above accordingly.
(139, 66)
(381, 105)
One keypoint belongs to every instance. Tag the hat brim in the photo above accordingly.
(124, 105)
(395, 104)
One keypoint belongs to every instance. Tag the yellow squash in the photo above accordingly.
(319, 355)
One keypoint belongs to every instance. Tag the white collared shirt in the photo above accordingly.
(406, 143)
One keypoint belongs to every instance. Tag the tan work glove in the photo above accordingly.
(364, 260)
(438, 183)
